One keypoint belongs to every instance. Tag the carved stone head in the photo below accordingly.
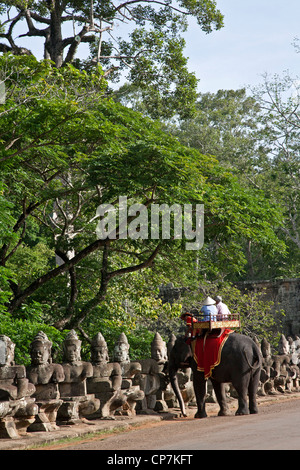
(159, 349)
(99, 350)
(265, 348)
(40, 349)
(72, 348)
(7, 351)
(121, 350)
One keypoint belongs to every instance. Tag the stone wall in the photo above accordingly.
(169, 293)
(285, 293)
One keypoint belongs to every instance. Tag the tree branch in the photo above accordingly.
(68, 264)
(73, 293)
(105, 278)
(137, 267)
(17, 301)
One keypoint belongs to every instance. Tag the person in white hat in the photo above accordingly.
(209, 309)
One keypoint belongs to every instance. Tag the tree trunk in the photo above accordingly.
(54, 42)
(250, 260)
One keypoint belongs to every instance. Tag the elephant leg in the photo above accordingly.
(242, 391)
(252, 392)
(219, 389)
(200, 393)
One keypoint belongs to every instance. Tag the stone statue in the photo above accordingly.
(297, 344)
(283, 345)
(17, 407)
(77, 403)
(266, 375)
(106, 381)
(132, 392)
(282, 372)
(45, 376)
(165, 394)
(294, 350)
(121, 351)
(149, 382)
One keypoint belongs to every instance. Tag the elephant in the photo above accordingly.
(240, 364)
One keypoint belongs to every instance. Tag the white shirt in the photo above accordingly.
(223, 309)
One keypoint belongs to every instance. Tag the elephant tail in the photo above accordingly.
(257, 360)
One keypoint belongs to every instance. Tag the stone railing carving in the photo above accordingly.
(45, 395)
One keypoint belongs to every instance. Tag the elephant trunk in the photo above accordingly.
(175, 386)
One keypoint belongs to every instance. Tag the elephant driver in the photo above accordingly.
(190, 320)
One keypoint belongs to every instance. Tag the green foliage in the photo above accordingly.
(133, 307)
(247, 141)
(226, 125)
(149, 49)
(161, 74)
(31, 262)
(205, 12)
(65, 148)
(22, 332)
(6, 220)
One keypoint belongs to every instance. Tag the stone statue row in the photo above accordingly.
(280, 372)
(45, 395)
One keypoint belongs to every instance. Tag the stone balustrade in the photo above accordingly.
(45, 395)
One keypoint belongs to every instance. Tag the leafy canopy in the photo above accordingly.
(140, 40)
(64, 150)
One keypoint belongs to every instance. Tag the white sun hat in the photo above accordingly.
(209, 301)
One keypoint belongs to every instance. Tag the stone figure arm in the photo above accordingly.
(134, 368)
(58, 374)
(116, 382)
(154, 381)
(116, 377)
(280, 362)
(184, 376)
(24, 388)
(87, 371)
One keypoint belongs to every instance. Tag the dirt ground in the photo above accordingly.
(275, 427)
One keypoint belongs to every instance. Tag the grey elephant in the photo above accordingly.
(240, 364)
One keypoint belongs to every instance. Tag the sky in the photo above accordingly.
(257, 38)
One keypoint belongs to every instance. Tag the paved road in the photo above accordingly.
(276, 427)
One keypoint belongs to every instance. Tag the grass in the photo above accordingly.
(64, 442)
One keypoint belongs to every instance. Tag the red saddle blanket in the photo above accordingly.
(207, 351)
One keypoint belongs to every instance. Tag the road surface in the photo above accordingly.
(276, 427)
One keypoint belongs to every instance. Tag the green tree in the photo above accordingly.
(230, 125)
(280, 174)
(64, 150)
(150, 47)
(226, 124)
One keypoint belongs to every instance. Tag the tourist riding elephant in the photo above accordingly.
(240, 365)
